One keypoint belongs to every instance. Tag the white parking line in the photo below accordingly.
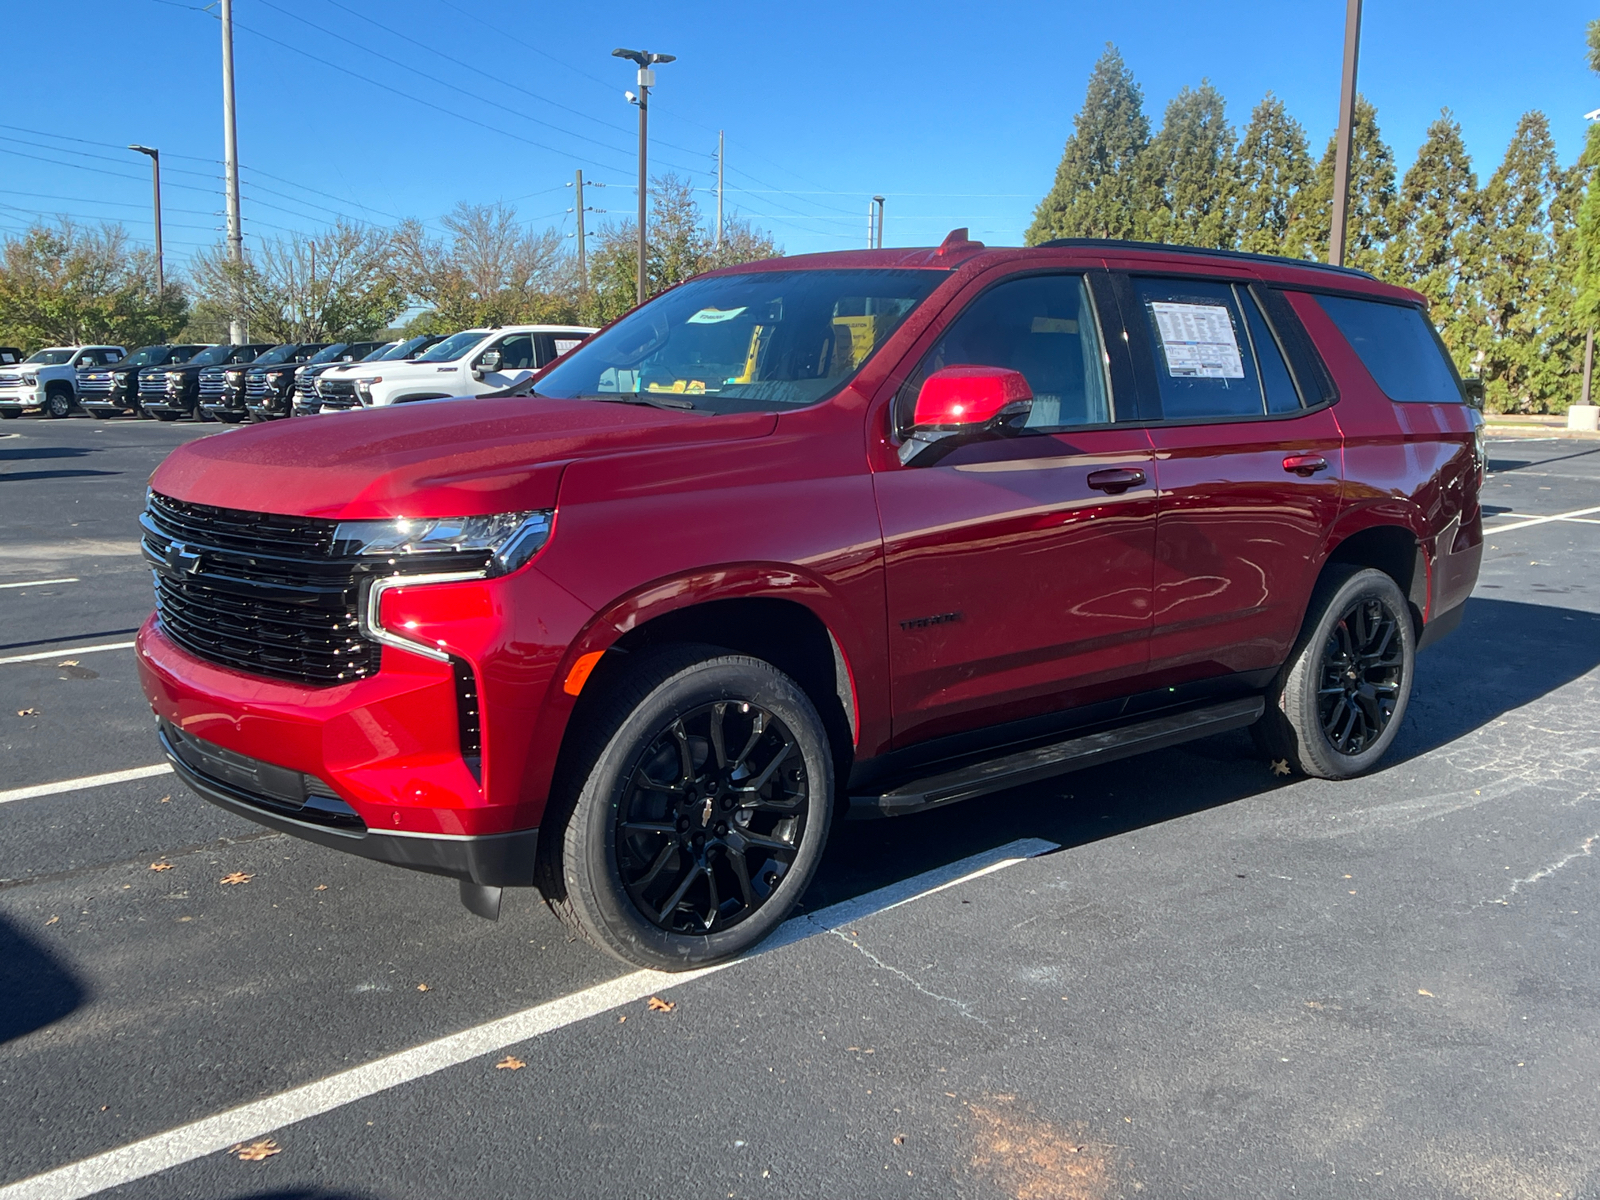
(44, 654)
(1577, 512)
(86, 781)
(211, 1134)
(40, 582)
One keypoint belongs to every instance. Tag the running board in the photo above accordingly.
(1029, 766)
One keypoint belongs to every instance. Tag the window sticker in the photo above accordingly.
(1054, 325)
(565, 344)
(714, 316)
(1198, 340)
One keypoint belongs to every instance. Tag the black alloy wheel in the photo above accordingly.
(691, 809)
(1338, 703)
(1362, 669)
(712, 817)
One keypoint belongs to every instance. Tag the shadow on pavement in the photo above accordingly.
(19, 453)
(11, 476)
(1504, 655)
(35, 990)
(309, 1194)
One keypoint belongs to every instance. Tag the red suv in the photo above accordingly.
(867, 532)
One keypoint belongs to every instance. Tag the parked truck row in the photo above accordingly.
(259, 381)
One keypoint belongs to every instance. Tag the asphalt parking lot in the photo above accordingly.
(1174, 976)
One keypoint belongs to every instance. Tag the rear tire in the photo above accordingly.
(690, 815)
(1337, 705)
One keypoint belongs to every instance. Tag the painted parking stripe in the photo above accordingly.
(211, 1134)
(87, 781)
(1577, 512)
(40, 582)
(66, 650)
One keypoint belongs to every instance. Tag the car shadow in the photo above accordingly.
(1505, 655)
(35, 989)
(314, 1193)
(23, 453)
(12, 476)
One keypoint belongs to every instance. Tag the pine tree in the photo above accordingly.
(1371, 193)
(1433, 232)
(1517, 270)
(1585, 251)
(1273, 165)
(1097, 189)
(1187, 169)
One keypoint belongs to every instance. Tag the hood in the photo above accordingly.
(433, 459)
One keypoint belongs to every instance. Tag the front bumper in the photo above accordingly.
(22, 398)
(390, 746)
(105, 403)
(491, 860)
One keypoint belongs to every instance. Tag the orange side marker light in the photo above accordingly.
(579, 675)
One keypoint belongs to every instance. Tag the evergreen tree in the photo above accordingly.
(1186, 171)
(1433, 231)
(1097, 190)
(1273, 165)
(1371, 193)
(1517, 270)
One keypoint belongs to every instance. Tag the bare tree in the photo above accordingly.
(489, 270)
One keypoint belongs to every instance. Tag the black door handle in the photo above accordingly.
(1116, 480)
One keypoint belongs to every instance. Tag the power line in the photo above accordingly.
(99, 170)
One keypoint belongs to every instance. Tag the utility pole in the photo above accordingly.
(155, 176)
(583, 262)
(230, 154)
(1588, 365)
(647, 80)
(1347, 121)
(719, 189)
(878, 241)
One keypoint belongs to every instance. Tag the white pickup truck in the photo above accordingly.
(468, 363)
(48, 378)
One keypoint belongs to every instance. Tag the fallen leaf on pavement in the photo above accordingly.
(510, 1063)
(164, 800)
(1425, 992)
(236, 877)
(71, 662)
(321, 887)
(52, 920)
(620, 1020)
(27, 712)
(1280, 766)
(899, 1139)
(657, 1004)
(422, 987)
(255, 1151)
(161, 866)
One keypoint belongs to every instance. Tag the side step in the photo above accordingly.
(1028, 766)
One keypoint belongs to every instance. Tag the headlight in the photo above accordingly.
(364, 386)
(30, 379)
(507, 540)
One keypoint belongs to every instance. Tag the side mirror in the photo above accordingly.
(963, 403)
(488, 361)
(1474, 390)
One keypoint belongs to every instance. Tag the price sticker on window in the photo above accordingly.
(1198, 340)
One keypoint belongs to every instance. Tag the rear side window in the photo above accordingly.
(1398, 346)
(1204, 366)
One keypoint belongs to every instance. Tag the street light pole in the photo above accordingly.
(878, 240)
(647, 80)
(1347, 121)
(230, 154)
(155, 176)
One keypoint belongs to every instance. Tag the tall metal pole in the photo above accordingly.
(878, 240)
(583, 263)
(1588, 365)
(646, 77)
(230, 154)
(155, 177)
(720, 153)
(1347, 121)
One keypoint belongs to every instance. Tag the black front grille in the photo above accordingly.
(257, 592)
(257, 388)
(211, 385)
(92, 387)
(152, 383)
(330, 388)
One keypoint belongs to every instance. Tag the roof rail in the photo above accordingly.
(1171, 248)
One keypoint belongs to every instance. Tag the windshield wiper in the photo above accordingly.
(653, 399)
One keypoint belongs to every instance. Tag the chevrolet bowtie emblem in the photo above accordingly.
(181, 560)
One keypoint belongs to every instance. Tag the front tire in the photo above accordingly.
(165, 416)
(58, 404)
(696, 808)
(9, 414)
(1337, 705)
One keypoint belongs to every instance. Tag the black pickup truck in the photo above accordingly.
(105, 391)
(183, 384)
(245, 387)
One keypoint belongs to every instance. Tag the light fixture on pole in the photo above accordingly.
(647, 80)
(1347, 121)
(155, 175)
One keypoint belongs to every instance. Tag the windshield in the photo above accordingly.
(734, 343)
(277, 354)
(142, 357)
(380, 353)
(454, 346)
(50, 358)
(408, 349)
(329, 353)
(211, 356)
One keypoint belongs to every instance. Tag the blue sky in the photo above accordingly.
(956, 113)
